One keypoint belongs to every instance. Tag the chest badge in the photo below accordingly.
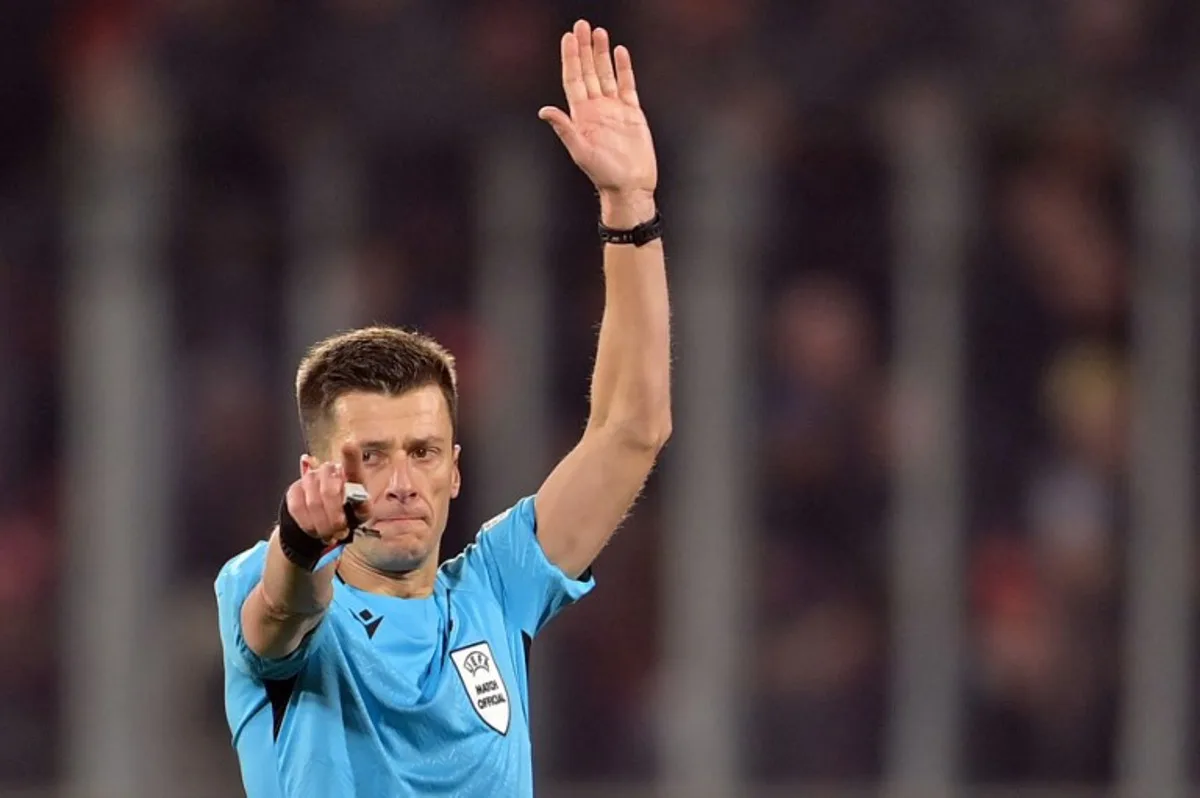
(484, 684)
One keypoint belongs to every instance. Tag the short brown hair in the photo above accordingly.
(386, 360)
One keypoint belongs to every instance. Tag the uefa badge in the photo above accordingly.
(484, 684)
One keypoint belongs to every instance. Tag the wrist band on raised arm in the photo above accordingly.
(639, 236)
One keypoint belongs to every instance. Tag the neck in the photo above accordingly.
(417, 583)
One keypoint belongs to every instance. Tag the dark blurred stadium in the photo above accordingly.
(928, 519)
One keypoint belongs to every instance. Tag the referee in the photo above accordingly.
(355, 666)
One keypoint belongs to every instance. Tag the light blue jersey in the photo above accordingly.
(390, 698)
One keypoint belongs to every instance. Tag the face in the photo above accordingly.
(410, 470)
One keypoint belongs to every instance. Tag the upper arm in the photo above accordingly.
(236, 582)
(588, 494)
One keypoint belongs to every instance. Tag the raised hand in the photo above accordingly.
(317, 500)
(605, 131)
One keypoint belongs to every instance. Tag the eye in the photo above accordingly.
(369, 456)
(422, 452)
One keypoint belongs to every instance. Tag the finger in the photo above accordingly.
(314, 505)
(328, 491)
(587, 59)
(298, 509)
(563, 127)
(626, 84)
(604, 64)
(572, 71)
(332, 487)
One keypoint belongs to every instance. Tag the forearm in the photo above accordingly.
(631, 380)
(287, 604)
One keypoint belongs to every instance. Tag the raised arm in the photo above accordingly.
(587, 495)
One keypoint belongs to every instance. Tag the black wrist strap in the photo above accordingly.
(301, 548)
(639, 236)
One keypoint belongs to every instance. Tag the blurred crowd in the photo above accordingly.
(1051, 91)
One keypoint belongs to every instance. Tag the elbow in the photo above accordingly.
(639, 417)
(270, 630)
(648, 433)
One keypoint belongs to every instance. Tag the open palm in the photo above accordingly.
(605, 132)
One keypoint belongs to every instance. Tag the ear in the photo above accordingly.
(456, 475)
(308, 463)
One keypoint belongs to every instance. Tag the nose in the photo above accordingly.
(401, 486)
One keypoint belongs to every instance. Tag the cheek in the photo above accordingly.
(377, 480)
(446, 481)
(430, 481)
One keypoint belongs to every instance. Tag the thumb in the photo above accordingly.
(562, 126)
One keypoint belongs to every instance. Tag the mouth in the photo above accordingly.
(398, 522)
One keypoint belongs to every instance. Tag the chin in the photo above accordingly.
(398, 558)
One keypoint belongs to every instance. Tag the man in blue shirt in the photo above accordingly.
(356, 666)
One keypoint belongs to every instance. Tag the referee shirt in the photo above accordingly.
(394, 697)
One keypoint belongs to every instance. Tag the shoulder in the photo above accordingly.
(514, 526)
(462, 571)
(521, 514)
(242, 572)
(514, 523)
(507, 560)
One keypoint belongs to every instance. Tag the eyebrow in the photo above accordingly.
(385, 445)
(428, 440)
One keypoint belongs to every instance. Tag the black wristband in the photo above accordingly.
(301, 548)
(639, 236)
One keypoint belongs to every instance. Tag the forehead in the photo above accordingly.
(421, 412)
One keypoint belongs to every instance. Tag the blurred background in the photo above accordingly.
(927, 525)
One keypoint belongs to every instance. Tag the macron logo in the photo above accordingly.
(369, 621)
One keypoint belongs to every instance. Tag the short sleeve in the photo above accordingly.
(234, 582)
(531, 589)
